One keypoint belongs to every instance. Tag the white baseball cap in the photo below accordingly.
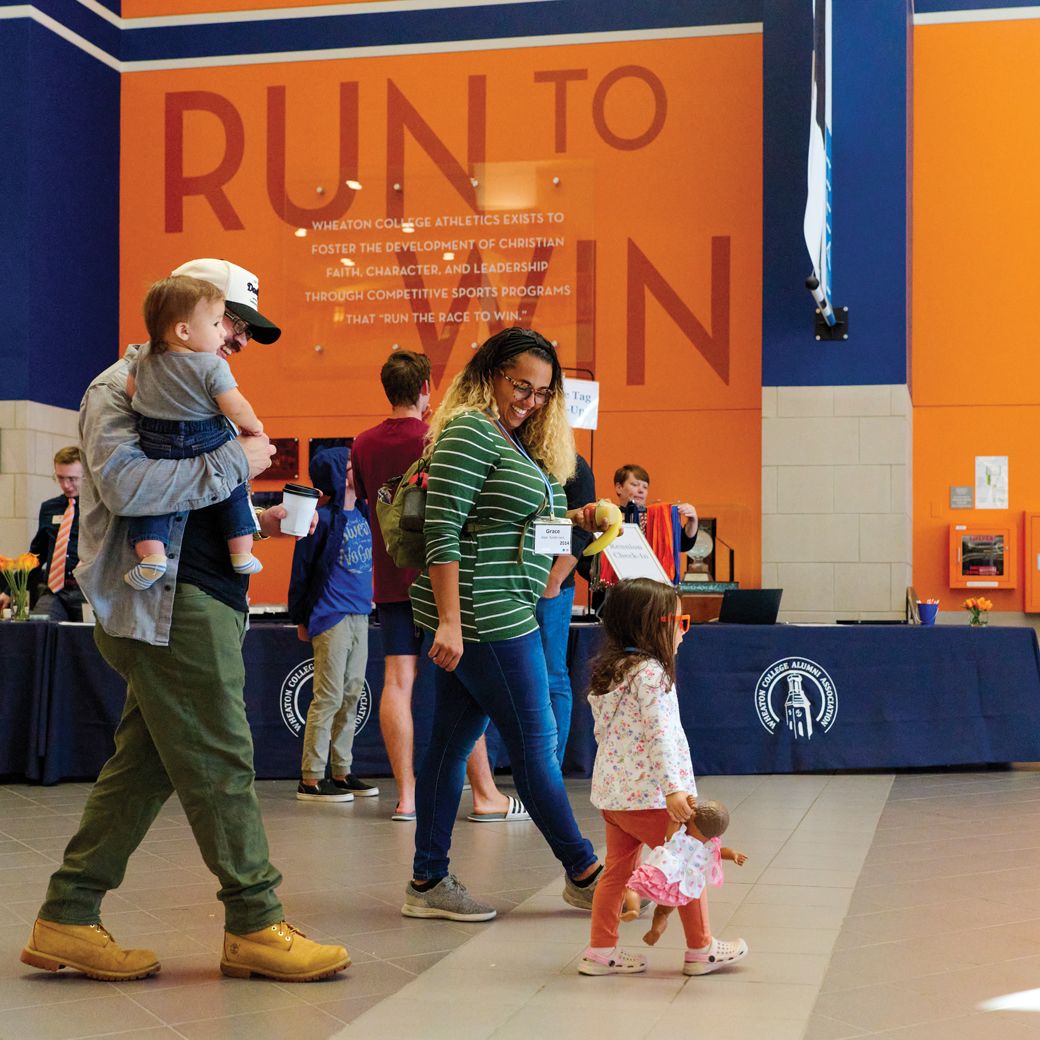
(241, 289)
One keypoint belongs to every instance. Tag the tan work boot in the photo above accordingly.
(280, 952)
(88, 948)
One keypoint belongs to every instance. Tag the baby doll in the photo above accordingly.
(709, 821)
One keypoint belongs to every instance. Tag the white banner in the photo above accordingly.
(817, 223)
(582, 396)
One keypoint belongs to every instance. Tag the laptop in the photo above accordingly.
(750, 606)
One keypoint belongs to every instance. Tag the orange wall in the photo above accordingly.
(686, 404)
(976, 228)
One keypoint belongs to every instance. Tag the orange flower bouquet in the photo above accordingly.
(978, 609)
(16, 571)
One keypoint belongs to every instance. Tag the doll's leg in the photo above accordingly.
(630, 906)
(658, 925)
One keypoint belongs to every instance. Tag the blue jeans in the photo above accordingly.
(554, 619)
(171, 439)
(506, 681)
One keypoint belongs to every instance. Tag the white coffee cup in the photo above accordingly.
(300, 502)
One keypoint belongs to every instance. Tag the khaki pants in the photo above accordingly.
(183, 729)
(340, 660)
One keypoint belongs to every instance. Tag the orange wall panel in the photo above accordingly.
(976, 213)
(976, 229)
(656, 277)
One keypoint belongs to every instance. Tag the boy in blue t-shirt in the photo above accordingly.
(330, 599)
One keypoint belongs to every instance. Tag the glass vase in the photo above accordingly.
(979, 621)
(19, 604)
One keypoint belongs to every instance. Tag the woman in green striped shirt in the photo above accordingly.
(502, 448)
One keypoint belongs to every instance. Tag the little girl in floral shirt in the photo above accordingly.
(643, 777)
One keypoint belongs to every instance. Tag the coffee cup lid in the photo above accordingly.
(302, 489)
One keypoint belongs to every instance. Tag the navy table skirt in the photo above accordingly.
(754, 699)
(788, 698)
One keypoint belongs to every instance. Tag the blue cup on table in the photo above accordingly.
(928, 612)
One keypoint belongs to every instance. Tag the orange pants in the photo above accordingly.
(627, 832)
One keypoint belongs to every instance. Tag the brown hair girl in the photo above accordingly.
(636, 626)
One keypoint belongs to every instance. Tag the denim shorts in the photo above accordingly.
(397, 627)
(173, 439)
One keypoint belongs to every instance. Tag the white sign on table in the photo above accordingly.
(631, 556)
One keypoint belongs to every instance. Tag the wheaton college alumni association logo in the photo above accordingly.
(293, 704)
(801, 693)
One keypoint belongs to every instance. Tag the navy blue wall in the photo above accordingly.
(14, 216)
(870, 123)
(59, 209)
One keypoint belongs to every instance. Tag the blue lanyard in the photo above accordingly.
(523, 451)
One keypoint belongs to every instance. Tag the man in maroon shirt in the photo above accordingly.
(379, 454)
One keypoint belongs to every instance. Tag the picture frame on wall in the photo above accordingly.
(285, 465)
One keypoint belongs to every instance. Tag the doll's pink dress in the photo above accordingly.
(676, 872)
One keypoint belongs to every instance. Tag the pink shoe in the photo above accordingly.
(719, 954)
(617, 962)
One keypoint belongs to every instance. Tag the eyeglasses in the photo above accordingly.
(683, 619)
(522, 391)
(238, 326)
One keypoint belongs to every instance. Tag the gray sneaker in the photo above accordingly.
(448, 899)
(578, 896)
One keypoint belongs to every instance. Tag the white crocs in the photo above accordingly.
(719, 954)
(617, 962)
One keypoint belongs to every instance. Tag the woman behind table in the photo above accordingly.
(502, 448)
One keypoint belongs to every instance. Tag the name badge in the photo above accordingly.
(552, 537)
(57, 518)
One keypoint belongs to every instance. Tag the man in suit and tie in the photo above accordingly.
(56, 542)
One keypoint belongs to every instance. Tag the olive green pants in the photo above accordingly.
(183, 729)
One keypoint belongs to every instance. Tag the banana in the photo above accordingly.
(605, 511)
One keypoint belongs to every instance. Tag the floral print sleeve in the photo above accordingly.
(642, 752)
(667, 750)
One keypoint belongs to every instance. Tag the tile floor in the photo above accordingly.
(901, 907)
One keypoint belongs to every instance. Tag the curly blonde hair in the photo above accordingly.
(547, 434)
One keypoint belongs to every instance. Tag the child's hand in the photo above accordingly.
(678, 806)
(734, 857)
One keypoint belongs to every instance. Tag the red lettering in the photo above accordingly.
(535, 277)
(401, 115)
(585, 305)
(180, 185)
(560, 77)
(643, 277)
(599, 101)
(340, 203)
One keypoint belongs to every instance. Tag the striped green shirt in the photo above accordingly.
(477, 474)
